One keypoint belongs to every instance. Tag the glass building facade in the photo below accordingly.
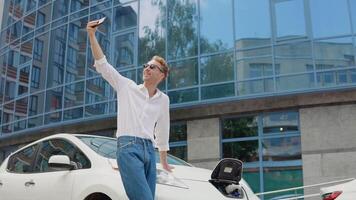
(218, 51)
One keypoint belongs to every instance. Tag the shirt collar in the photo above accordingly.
(144, 89)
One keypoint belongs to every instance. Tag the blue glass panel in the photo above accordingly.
(254, 68)
(183, 74)
(280, 122)
(330, 18)
(246, 151)
(98, 90)
(182, 28)
(74, 95)
(77, 50)
(96, 110)
(76, 5)
(216, 26)
(182, 96)
(124, 50)
(218, 91)
(53, 117)
(334, 53)
(152, 28)
(125, 16)
(252, 23)
(38, 75)
(36, 102)
(73, 114)
(35, 121)
(55, 75)
(54, 99)
(217, 68)
(255, 86)
(44, 15)
(295, 82)
(60, 8)
(290, 21)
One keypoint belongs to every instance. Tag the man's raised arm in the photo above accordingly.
(109, 73)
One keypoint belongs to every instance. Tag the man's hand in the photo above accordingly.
(163, 160)
(91, 28)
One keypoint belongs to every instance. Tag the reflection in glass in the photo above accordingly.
(57, 56)
(15, 32)
(247, 15)
(73, 114)
(179, 152)
(330, 18)
(20, 125)
(254, 68)
(352, 5)
(35, 121)
(293, 50)
(182, 28)
(281, 149)
(124, 50)
(183, 74)
(296, 65)
(74, 95)
(26, 52)
(178, 132)
(54, 99)
(125, 16)
(218, 91)
(29, 23)
(280, 122)
(96, 109)
(53, 117)
(290, 21)
(277, 178)
(60, 8)
(334, 53)
(23, 80)
(337, 77)
(40, 55)
(8, 113)
(19, 8)
(76, 53)
(216, 27)
(97, 90)
(152, 40)
(182, 96)
(218, 68)
(295, 82)
(76, 5)
(131, 74)
(239, 127)
(246, 151)
(21, 108)
(252, 177)
(255, 86)
(44, 15)
(36, 104)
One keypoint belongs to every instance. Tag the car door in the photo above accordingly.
(56, 184)
(17, 179)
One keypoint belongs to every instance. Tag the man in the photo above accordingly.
(143, 120)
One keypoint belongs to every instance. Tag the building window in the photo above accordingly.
(38, 50)
(35, 77)
(33, 105)
(178, 140)
(269, 145)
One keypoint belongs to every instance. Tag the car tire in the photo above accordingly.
(97, 196)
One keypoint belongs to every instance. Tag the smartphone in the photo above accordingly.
(100, 21)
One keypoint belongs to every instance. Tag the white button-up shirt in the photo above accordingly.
(138, 114)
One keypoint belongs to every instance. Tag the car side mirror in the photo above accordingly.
(61, 162)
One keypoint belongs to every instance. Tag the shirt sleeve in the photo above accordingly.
(110, 74)
(162, 128)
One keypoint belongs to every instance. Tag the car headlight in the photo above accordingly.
(166, 178)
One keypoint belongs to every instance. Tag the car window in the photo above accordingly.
(21, 162)
(59, 147)
(106, 147)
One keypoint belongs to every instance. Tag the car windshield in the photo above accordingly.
(106, 147)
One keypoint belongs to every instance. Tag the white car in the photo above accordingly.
(83, 167)
(344, 191)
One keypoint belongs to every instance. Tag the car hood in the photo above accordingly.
(181, 172)
(345, 187)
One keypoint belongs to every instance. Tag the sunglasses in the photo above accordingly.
(152, 66)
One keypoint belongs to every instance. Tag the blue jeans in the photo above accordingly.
(137, 165)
